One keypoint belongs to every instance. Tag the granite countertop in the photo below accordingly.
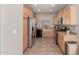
(69, 37)
(71, 33)
(45, 28)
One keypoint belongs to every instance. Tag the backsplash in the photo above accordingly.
(44, 20)
(73, 28)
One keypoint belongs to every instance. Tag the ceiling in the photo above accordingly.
(46, 8)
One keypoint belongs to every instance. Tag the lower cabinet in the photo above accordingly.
(61, 41)
(63, 38)
(48, 33)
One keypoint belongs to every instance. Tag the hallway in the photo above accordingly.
(44, 46)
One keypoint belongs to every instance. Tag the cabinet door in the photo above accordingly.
(73, 15)
(67, 17)
(54, 20)
(66, 20)
(61, 42)
(64, 13)
(59, 39)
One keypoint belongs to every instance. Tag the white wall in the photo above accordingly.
(78, 22)
(78, 27)
(12, 17)
(0, 25)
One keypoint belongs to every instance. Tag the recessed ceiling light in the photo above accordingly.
(35, 4)
(38, 9)
(53, 5)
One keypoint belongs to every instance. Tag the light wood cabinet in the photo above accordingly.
(61, 41)
(73, 15)
(26, 13)
(48, 33)
(66, 16)
(69, 15)
(63, 37)
(60, 14)
(55, 20)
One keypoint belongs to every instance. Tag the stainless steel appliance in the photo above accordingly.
(71, 48)
(39, 33)
(30, 32)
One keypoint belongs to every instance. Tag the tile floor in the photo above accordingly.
(44, 46)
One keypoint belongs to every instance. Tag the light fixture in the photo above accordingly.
(35, 5)
(38, 9)
(53, 5)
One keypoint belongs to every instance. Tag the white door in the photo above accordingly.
(12, 29)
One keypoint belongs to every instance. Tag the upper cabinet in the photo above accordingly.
(73, 14)
(68, 14)
(60, 14)
(54, 20)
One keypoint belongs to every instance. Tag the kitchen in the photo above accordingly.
(68, 19)
(61, 26)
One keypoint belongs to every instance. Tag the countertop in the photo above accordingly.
(69, 37)
(71, 33)
(45, 28)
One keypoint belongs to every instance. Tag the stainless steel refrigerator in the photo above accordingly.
(30, 32)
